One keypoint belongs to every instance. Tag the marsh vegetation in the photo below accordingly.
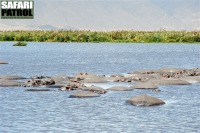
(99, 36)
(20, 44)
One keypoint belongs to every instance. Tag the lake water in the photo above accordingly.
(54, 112)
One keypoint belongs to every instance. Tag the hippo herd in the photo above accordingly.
(140, 79)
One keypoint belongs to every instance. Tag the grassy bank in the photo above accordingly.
(92, 36)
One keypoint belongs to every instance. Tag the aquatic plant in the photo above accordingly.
(20, 44)
(100, 36)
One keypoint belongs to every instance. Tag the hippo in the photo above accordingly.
(144, 85)
(84, 94)
(95, 89)
(169, 81)
(145, 100)
(3, 62)
(120, 88)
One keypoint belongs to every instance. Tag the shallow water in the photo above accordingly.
(53, 111)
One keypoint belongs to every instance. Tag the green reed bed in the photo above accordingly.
(98, 36)
(20, 44)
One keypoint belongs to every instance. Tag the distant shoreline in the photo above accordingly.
(160, 36)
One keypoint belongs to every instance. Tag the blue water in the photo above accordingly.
(54, 112)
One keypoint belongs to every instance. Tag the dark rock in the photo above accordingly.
(84, 94)
(145, 100)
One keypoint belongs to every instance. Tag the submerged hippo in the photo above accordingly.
(11, 77)
(169, 82)
(145, 100)
(144, 85)
(3, 62)
(120, 88)
(95, 89)
(84, 94)
(191, 79)
(95, 80)
(10, 83)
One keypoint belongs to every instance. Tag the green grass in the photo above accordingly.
(160, 36)
(20, 44)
